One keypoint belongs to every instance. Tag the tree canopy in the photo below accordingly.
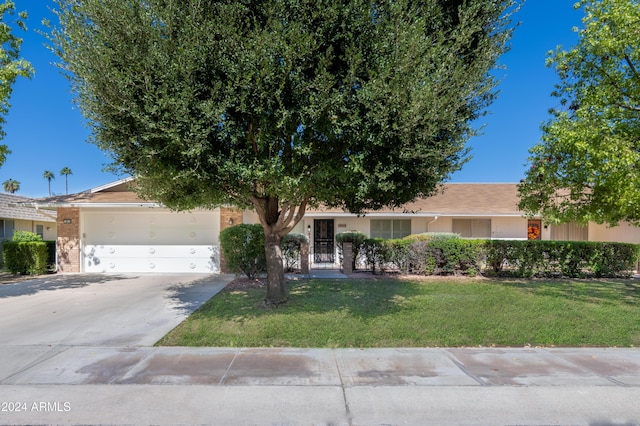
(276, 105)
(11, 65)
(586, 167)
(11, 186)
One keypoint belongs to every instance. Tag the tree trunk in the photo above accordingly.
(277, 292)
(276, 221)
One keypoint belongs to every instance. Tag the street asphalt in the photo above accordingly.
(78, 349)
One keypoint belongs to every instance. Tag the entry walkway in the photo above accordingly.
(318, 274)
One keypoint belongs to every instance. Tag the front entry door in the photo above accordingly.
(323, 247)
(534, 229)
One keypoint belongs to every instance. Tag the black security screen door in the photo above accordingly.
(323, 247)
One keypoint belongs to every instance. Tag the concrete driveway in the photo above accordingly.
(100, 310)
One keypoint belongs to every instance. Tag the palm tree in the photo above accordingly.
(48, 175)
(11, 185)
(66, 172)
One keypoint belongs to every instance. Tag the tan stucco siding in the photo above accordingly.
(49, 228)
(624, 233)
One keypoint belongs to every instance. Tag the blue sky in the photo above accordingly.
(46, 131)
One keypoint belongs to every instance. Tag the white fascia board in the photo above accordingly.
(117, 205)
(111, 184)
(418, 214)
(50, 206)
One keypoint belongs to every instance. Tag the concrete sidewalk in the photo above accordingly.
(167, 385)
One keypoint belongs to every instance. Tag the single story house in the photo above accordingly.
(15, 217)
(110, 229)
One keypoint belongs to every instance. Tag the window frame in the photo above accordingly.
(397, 228)
(473, 230)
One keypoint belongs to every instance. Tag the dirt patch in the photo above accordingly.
(8, 278)
(243, 283)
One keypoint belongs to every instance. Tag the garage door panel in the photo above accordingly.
(150, 240)
(160, 227)
(155, 251)
(130, 258)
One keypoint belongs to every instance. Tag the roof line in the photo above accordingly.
(39, 205)
(111, 184)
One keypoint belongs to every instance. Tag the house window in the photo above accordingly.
(472, 228)
(390, 228)
(6, 229)
(569, 232)
(40, 230)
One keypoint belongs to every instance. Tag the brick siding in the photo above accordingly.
(68, 243)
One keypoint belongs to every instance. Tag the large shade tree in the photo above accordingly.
(11, 65)
(587, 166)
(281, 104)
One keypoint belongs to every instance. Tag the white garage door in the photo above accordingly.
(150, 240)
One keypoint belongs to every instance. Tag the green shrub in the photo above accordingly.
(396, 253)
(571, 259)
(25, 257)
(430, 236)
(456, 256)
(444, 255)
(374, 252)
(244, 249)
(25, 236)
(291, 249)
(356, 239)
(497, 254)
(421, 258)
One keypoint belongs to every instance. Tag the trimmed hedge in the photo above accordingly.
(573, 259)
(526, 258)
(243, 248)
(25, 257)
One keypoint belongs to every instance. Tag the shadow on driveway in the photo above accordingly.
(55, 282)
(186, 297)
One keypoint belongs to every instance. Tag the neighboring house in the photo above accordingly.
(14, 217)
(110, 229)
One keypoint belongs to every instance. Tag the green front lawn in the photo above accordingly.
(422, 313)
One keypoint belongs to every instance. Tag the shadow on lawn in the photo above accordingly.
(601, 291)
(363, 299)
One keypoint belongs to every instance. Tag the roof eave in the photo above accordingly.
(413, 214)
(55, 206)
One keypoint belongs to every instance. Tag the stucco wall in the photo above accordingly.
(624, 233)
(50, 234)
